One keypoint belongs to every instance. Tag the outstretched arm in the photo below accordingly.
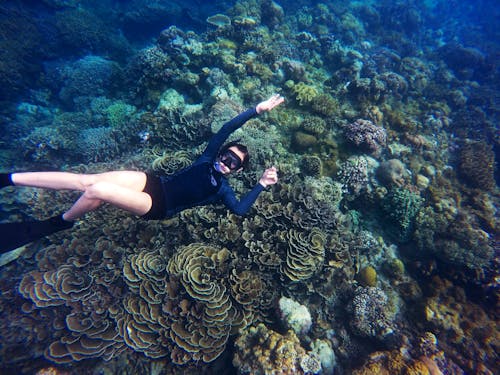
(230, 126)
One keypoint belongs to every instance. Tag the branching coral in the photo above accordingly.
(402, 206)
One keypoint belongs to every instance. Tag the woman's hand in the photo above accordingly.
(270, 103)
(269, 177)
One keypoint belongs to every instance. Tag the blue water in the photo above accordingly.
(387, 146)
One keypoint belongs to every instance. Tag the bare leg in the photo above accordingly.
(74, 181)
(136, 202)
(122, 189)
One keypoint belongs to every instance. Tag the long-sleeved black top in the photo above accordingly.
(201, 184)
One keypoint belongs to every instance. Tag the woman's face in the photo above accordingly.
(231, 160)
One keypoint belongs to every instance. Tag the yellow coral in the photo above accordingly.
(368, 276)
(304, 94)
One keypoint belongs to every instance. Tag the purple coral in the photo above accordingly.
(366, 135)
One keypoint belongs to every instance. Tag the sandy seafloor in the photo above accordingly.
(377, 251)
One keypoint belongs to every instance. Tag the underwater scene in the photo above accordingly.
(376, 252)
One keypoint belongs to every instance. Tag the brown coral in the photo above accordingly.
(202, 335)
(86, 337)
(305, 254)
(477, 164)
(260, 351)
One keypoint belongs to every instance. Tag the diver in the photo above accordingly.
(151, 197)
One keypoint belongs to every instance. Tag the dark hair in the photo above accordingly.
(242, 148)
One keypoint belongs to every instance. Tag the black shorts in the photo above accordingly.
(155, 190)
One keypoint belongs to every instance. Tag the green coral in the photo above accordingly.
(325, 105)
(119, 113)
(304, 94)
(401, 206)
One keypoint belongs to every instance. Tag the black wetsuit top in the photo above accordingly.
(201, 184)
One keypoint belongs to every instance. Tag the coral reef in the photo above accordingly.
(422, 359)
(98, 144)
(392, 172)
(87, 77)
(402, 206)
(464, 329)
(477, 164)
(371, 314)
(367, 136)
(259, 350)
(384, 223)
(294, 315)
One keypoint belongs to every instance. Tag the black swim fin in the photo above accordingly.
(14, 235)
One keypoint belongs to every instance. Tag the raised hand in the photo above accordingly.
(269, 177)
(270, 103)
